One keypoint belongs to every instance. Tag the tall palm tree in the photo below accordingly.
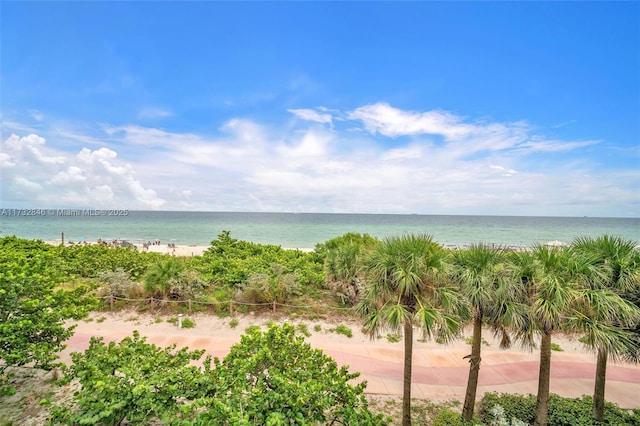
(406, 286)
(480, 274)
(549, 278)
(606, 314)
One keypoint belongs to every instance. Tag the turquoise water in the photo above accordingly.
(305, 230)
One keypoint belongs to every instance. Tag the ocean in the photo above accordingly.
(301, 230)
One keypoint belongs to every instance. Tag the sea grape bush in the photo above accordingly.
(32, 319)
(278, 372)
(230, 262)
(269, 378)
(132, 380)
(89, 260)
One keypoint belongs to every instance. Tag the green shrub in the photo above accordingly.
(499, 418)
(234, 323)
(393, 338)
(449, 418)
(562, 411)
(342, 329)
(556, 347)
(521, 407)
(276, 286)
(303, 329)
(252, 329)
(230, 262)
(188, 323)
(116, 283)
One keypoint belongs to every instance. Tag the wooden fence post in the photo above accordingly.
(274, 306)
(230, 307)
(189, 303)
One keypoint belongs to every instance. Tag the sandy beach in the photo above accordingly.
(180, 250)
(177, 250)
(439, 371)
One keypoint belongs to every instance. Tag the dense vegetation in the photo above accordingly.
(34, 307)
(271, 378)
(591, 289)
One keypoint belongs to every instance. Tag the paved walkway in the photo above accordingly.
(439, 372)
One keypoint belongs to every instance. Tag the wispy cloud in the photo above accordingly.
(389, 121)
(36, 115)
(536, 145)
(566, 123)
(154, 113)
(311, 115)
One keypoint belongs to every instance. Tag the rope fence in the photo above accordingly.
(232, 303)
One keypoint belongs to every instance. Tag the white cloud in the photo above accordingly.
(311, 115)
(25, 184)
(388, 121)
(503, 171)
(554, 145)
(448, 165)
(44, 177)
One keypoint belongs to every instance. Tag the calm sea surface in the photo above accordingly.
(305, 230)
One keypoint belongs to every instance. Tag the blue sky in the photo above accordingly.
(506, 108)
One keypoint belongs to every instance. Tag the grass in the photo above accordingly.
(423, 411)
(303, 329)
(342, 329)
(556, 347)
(469, 341)
(393, 338)
(234, 323)
(188, 323)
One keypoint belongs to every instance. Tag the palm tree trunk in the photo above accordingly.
(544, 379)
(601, 378)
(474, 370)
(408, 353)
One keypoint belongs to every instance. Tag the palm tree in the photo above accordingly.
(405, 286)
(480, 274)
(159, 275)
(549, 279)
(606, 315)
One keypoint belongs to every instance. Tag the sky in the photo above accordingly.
(471, 108)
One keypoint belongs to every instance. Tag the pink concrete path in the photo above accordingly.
(439, 372)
